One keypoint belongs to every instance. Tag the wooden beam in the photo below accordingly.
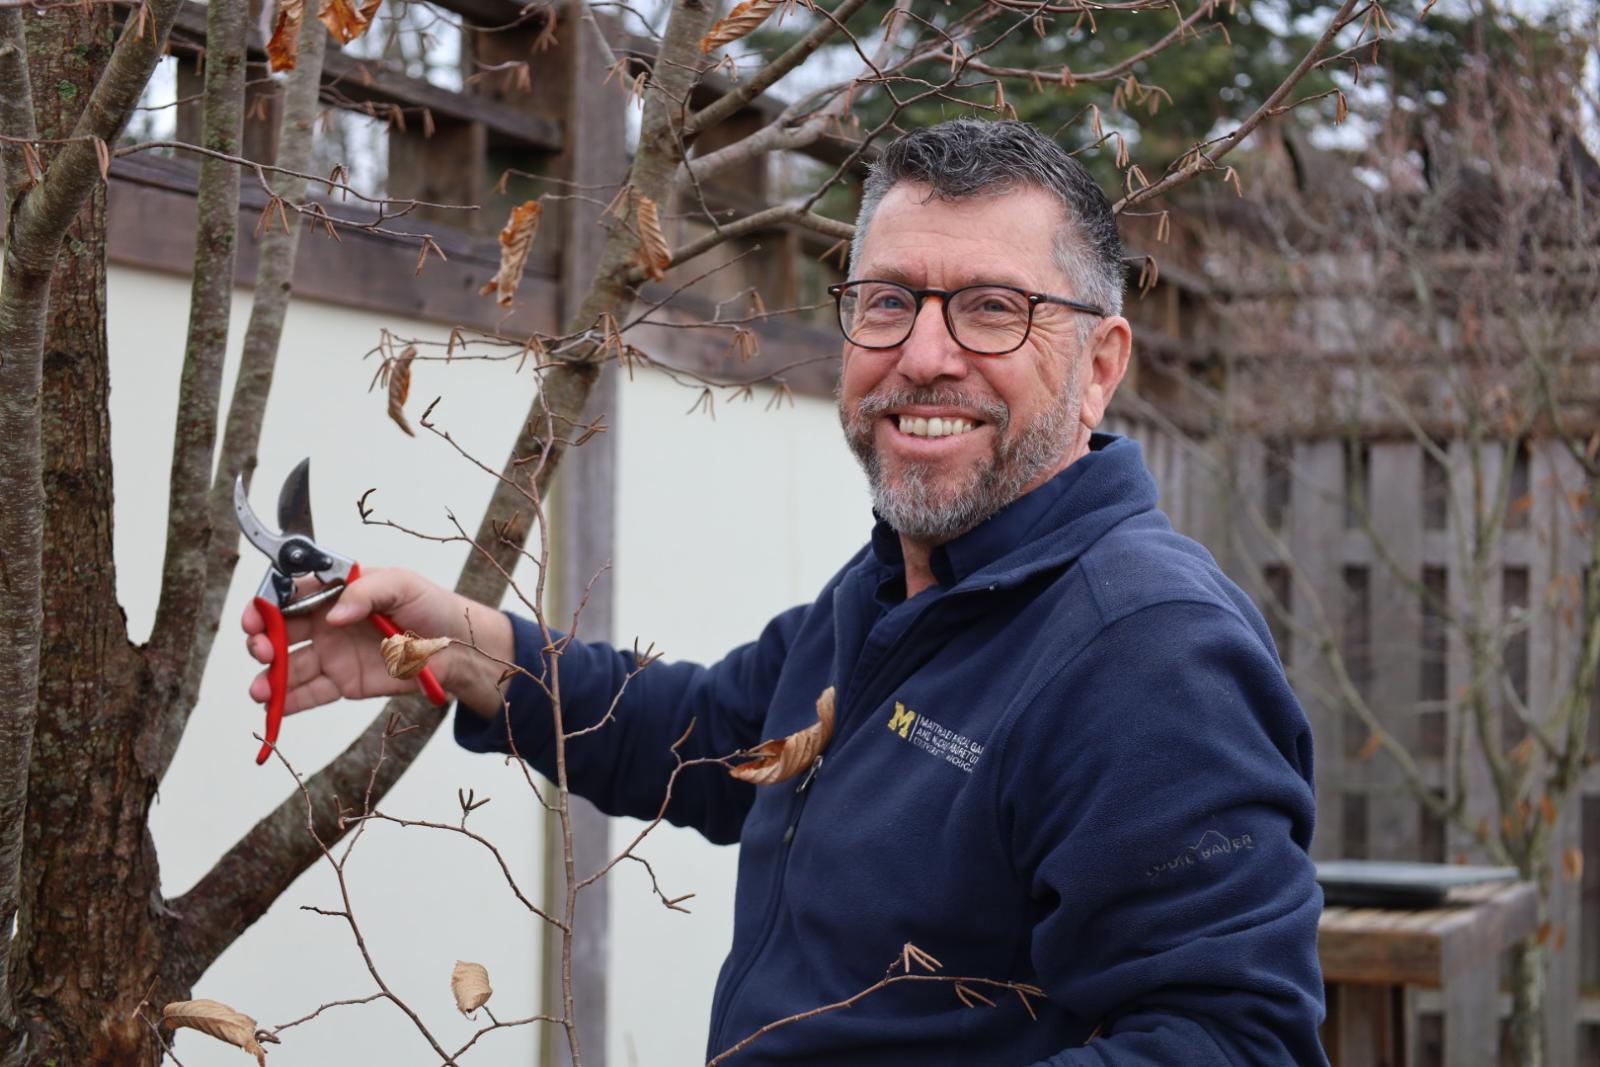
(151, 226)
(370, 82)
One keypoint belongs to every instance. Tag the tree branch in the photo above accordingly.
(16, 105)
(189, 528)
(1203, 161)
(247, 407)
(729, 103)
(768, 219)
(47, 209)
(242, 885)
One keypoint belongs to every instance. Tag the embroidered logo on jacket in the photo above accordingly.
(958, 751)
(1212, 845)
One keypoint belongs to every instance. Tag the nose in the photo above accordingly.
(930, 353)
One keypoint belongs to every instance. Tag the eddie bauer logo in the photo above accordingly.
(1213, 844)
(958, 751)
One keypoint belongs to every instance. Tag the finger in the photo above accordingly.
(308, 686)
(251, 621)
(313, 694)
(297, 631)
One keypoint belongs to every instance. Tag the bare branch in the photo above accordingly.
(253, 384)
(768, 219)
(210, 310)
(728, 104)
(16, 107)
(1201, 160)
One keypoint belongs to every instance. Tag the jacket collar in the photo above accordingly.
(1048, 527)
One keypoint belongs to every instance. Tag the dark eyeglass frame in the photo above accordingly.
(837, 291)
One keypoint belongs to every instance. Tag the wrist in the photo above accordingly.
(470, 670)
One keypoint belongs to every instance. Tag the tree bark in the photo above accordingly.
(84, 922)
(87, 926)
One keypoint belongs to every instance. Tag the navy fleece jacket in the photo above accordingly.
(1074, 763)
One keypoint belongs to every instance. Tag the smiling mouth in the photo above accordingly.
(917, 426)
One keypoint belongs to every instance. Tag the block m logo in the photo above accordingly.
(900, 722)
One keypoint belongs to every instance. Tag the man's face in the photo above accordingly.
(1015, 417)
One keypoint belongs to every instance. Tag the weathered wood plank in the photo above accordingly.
(1314, 529)
(1395, 517)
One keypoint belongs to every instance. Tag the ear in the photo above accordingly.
(1107, 355)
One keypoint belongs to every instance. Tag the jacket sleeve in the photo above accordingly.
(1160, 811)
(624, 766)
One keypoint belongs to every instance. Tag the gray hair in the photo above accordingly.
(966, 157)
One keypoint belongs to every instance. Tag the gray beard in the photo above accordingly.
(916, 505)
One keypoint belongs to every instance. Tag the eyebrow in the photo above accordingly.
(894, 274)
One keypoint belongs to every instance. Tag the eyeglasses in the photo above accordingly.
(989, 320)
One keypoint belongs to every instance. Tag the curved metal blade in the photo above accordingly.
(253, 529)
(294, 502)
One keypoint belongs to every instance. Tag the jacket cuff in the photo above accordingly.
(477, 732)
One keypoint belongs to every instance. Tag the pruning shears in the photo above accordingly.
(295, 553)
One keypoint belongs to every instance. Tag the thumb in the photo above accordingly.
(353, 605)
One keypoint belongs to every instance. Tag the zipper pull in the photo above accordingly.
(800, 791)
(811, 772)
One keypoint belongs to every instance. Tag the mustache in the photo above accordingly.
(877, 404)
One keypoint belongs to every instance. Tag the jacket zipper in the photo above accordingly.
(737, 982)
(800, 805)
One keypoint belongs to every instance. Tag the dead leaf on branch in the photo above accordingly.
(469, 982)
(404, 655)
(516, 238)
(283, 50)
(743, 20)
(1572, 863)
(345, 20)
(400, 388)
(220, 1021)
(781, 759)
(654, 255)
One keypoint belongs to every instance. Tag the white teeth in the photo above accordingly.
(917, 426)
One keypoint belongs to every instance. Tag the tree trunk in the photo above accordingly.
(1526, 1036)
(88, 938)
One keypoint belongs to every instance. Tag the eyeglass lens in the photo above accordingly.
(982, 319)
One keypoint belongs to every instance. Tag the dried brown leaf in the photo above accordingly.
(404, 655)
(1572, 863)
(1370, 747)
(469, 982)
(741, 21)
(1547, 809)
(217, 1019)
(347, 20)
(400, 388)
(781, 759)
(654, 255)
(283, 50)
(516, 238)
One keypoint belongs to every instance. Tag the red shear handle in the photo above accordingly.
(430, 685)
(277, 673)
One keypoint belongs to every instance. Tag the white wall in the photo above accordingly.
(721, 525)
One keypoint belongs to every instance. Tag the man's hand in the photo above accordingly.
(338, 650)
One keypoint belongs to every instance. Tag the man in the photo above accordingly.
(1065, 753)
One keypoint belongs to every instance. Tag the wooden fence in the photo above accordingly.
(1321, 532)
